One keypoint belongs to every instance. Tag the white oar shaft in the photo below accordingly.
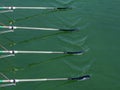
(7, 31)
(5, 11)
(34, 28)
(4, 56)
(13, 8)
(5, 81)
(8, 27)
(34, 7)
(32, 80)
(6, 52)
(36, 80)
(32, 52)
(5, 8)
(47, 52)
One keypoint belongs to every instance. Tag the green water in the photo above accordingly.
(98, 21)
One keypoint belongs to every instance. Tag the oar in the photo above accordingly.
(14, 81)
(40, 52)
(11, 9)
(12, 28)
(49, 8)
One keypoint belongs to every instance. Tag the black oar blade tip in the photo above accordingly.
(79, 53)
(80, 78)
(63, 8)
(69, 30)
(75, 53)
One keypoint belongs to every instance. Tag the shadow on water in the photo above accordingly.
(10, 19)
(47, 61)
(13, 43)
(42, 37)
(14, 69)
(7, 41)
(37, 15)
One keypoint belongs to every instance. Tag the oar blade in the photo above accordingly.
(63, 8)
(72, 29)
(80, 78)
(75, 53)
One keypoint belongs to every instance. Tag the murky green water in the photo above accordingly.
(98, 21)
